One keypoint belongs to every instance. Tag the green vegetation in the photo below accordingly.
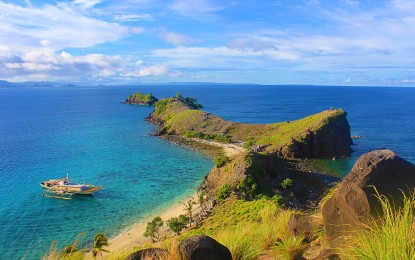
(100, 240)
(189, 209)
(391, 237)
(283, 133)
(190, 102)
(143, 99)
(285, 184)
(217, 137)
(177, 224)
(223, 192)
(220, 160)
(248, 144)
(153, 228)
(247, 228)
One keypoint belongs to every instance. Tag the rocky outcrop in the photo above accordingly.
(355, 201)
(148, 253)
(300, 224)
(203, 248)
(332, 139)
(141, 99)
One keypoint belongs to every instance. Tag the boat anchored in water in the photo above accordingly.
(64, 189)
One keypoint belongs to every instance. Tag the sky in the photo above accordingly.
(322, 42)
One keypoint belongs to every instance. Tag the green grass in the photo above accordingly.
(391, 237)
(247, 228)
(282, 133)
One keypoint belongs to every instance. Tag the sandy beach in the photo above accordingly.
(133, 237)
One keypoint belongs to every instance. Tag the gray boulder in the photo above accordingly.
(203, 248)
(355, 200)
(148, 253)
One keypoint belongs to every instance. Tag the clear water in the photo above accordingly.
(47, 132)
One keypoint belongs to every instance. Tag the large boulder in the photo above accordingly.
(356, 200)
(148, 253)
(203, 248)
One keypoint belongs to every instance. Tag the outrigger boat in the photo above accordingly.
(64, 189)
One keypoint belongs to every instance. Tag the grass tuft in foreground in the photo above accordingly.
(391, 237)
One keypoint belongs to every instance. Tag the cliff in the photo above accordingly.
(141, 99)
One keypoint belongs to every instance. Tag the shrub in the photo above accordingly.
(249, 144)
(285, 184)
(223, 192)
(177, 224)
(220, 160)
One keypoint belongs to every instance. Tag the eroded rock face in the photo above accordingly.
(148, 253)
(355, 199)
(331, 140)
(203, 248)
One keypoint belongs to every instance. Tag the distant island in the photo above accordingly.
(141, 99)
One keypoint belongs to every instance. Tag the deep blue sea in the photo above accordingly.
(48, 132)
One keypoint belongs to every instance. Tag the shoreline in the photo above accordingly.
(133, 237)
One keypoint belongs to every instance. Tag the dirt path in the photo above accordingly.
(229, 149)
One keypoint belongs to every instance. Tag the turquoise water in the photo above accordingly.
(48, 132)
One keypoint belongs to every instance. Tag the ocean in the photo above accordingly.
(87, 133)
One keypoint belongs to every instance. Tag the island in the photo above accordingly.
(141, 99)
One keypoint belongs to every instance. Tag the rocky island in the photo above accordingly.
(141, 99)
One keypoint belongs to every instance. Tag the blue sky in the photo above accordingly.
(328, 42)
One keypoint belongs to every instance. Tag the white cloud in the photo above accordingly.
(176, 38)
(45, 64)
(134, 17)
(144, 70)
(87, 3)
(29, 27)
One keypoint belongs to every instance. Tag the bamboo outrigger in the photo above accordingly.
(64, 189)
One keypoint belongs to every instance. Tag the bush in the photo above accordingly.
(285, 184)
(249, 144)
(217, 137)
(220, 160)
(223, 192)
(177, 224)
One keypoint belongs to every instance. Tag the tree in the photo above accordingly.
(153, 228)
(177, 224)
(201, 199)
(189, 209)
(100, 240)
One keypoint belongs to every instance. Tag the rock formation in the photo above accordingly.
(355, 201)
(203, 248)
